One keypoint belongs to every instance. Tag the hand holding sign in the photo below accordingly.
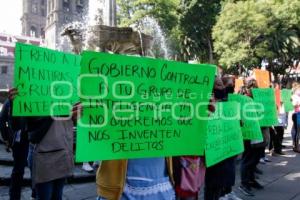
(12, 93)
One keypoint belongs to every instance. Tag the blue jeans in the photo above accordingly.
(52, 190)
(29, 157)
(29, 161)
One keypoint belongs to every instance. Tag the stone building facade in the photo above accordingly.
(34, 18)
(47, 18)
(42, 22)
(60, 13)
(7, 51)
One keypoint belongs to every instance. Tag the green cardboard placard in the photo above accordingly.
(137, 107)
(46, 81)
(266, 106)
(250, 125)
(286, 95)
(224, 136)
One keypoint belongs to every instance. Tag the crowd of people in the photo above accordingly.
(45, 145)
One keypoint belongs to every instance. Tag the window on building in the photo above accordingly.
(79, 9)
(4, 69)
(43, 33)
(79, 2)
(66, 5)
(42, 2)
(79, 6)
(67, 19)
(43, 13)
(3, 51)
(33, 31)
(34, 8)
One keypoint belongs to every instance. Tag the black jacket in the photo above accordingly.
(32, 128)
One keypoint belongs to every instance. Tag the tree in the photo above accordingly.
(248, 32)
(196, 22)
(124, 12)
(164, 12)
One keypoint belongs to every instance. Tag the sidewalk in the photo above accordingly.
(281, 179)
(86, 191)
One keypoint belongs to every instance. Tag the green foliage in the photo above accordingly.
(230, 32)
(164, 11)
(196, 22)
(124, 12)
(249, 31)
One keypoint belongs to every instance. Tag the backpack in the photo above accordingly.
(192, 173)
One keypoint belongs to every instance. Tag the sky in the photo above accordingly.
(10, 15)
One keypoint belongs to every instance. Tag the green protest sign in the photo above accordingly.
(46, 81)
(137, 107)
(250, 125)
(224, 136)
(286, 96)
(266, 106)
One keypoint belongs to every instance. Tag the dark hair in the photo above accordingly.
(243, 90)
(251, 84)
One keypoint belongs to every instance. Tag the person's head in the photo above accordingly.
(250, 85)
(243, 90)
(277, 85)
(296, 90)
(295, 86)
(218, 85)
(229, 84)
(219, 89)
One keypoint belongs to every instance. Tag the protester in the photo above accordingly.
(15, 134)
(5, 126)
(220, 178)
(277, 132)
(230, 163)
(189, 173)
(251, 155)
(296, 103)
(266, 140)
(146, 179)
(138, 179)
(51, 155)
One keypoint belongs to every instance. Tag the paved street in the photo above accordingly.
(281, 179)
(72, 192)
